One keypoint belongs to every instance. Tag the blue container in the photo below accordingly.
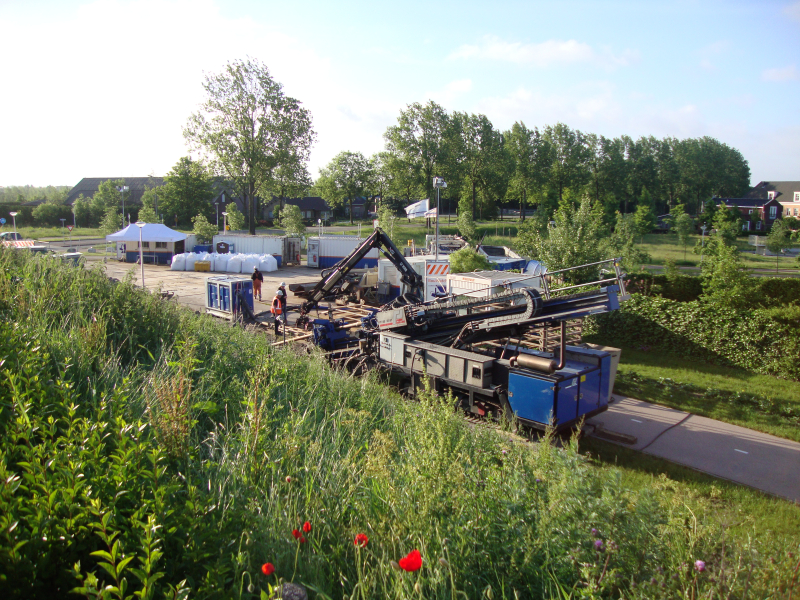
(225, 294)
(579, 390)
(202, 249)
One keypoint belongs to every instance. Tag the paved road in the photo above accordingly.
(741, 455)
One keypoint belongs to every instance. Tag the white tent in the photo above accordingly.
(418, 209)
(151, 232)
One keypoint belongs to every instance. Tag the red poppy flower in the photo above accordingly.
(296, 533)
(302, 540)
(267, 569)
(412, 562)
(361, 540)
(307, 527)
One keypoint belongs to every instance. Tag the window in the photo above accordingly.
(795, 211)
(145, 244)
(161, 245)
(758, 226)
(797, 196)
(771, 195)
(773, 212)
(750, 212)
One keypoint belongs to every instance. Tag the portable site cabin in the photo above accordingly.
(229, 297)
(285, 249)
(324, 252)
(159, 243)
(433, 272)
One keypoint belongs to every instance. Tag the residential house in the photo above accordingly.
(88, 186)
(765, 203)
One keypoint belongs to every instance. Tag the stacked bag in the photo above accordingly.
(226, 263)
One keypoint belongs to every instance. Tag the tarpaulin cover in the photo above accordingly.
(418, 209)
(151, 232)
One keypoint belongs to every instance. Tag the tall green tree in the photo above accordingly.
(682, 225)
(487, 162)
(530, 154)
(644, 219)
(779, 239)
(418, 139)
(292, 180)
(570, 158)
(344, 179)
(249, 128)
(291, 220)
(187, 192)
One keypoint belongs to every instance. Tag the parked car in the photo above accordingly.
(10, 236)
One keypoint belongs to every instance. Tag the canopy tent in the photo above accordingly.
(151, 232)
(418, 209)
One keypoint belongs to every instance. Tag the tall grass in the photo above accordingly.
(149, 450)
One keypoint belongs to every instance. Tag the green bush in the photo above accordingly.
(760, 340)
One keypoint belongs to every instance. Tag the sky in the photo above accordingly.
(104, 88)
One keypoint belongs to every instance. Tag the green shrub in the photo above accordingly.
(762, 341)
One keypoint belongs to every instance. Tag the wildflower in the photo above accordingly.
(538, 480)
(505, 451)
(361, 540)
(699, 566)
(594, 532)
(307, 527)
(267, 569)
(288, 479)
(302, 540)
(411, 562)
(296, 533)
(598, 544)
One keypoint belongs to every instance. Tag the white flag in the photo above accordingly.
(418, 209)
(431, 213)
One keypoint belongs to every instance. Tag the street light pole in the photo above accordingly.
(224, 220)
(438, 183)
(141, 225)
(14, 217)
(122, 189)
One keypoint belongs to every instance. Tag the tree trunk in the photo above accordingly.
(522, 207)
(251, 199)
(351, 211)
(473, 200)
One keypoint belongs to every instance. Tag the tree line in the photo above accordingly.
(487, 169)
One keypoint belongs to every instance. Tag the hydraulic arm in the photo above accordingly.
(378, 239)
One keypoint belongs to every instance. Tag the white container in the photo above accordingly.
(178, 263)
(482, 284)
(324, 252)
(253, 244)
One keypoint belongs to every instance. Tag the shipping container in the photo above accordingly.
(485, 283)
(286, 249)
(324, 252)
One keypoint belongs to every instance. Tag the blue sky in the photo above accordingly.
(103, 88)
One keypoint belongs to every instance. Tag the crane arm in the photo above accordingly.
(377, 239)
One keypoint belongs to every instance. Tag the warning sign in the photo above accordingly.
(69, 228)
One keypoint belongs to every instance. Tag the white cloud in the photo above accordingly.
(793, 11)
(544, 54)
(789, 73)
(451, 92)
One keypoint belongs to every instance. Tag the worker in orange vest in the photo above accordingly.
(279, 306)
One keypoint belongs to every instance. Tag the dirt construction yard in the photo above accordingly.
(189, 286)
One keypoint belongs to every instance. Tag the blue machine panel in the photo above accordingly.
(213, 296)
(566, 400)
(589, 392)
(531, 397)
(225, 298)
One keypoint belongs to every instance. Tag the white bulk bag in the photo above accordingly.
(249, 261)
(268, 264)
(234, 264)
(178, 263)
(191, 258)
(221, 262)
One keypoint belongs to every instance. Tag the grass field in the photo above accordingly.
(44, 233)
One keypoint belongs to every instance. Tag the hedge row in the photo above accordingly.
(773, 291)
(762, 340)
